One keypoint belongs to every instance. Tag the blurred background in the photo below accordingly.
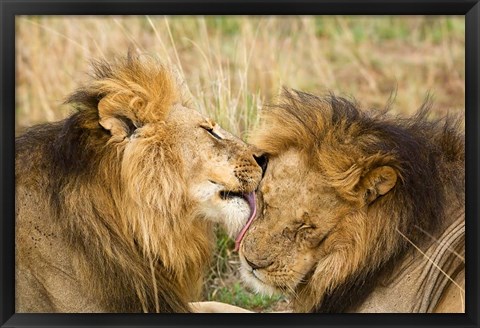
(233, 65)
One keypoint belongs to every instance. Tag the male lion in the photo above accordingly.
(115, 204)
(358, 211)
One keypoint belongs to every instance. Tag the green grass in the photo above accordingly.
(237, 295)
(223, 281)
(224, 25)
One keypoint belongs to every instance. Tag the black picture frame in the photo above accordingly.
(11, 8)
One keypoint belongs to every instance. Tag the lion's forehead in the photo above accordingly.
(289, 180)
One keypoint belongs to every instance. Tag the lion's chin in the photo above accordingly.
(232, 212)
(254, 282)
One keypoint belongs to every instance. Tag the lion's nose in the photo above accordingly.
(259, 265)
(262, 161)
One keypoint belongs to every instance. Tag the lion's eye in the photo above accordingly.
(212, 133)
(303, 231)
(305, 226)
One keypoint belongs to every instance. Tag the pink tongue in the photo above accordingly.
(253, 213)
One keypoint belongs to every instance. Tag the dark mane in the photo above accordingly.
(334, 132)
(86, 97)
(70, 152)
(74, 165)
(422, 149)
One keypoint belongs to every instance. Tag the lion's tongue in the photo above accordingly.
(253, 212)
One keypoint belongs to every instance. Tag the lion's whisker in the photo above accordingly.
(431, 261)
(439, 242)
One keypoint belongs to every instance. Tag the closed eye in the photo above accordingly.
(303, 229)
(305, 226)
(212, 133)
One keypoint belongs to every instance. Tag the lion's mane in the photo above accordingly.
(428, 154)
(124, 216)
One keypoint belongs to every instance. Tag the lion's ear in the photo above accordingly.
(376, 183)
(114, 120)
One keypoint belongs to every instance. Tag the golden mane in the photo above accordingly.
(147, 87)
(118, 211)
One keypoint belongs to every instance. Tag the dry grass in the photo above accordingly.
(233, 65)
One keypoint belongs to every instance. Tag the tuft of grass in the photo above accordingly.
(223, 280)
(237, 295)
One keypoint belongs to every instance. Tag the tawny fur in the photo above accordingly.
(340, 186)
(105, 222)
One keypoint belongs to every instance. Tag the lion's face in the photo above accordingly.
(298, 210)
(308, 226)
(218, 171)
(221, 169)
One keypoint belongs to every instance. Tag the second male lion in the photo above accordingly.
(358, 211)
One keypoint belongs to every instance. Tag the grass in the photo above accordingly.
(234, 65)
(223, 281)
(236, 294)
